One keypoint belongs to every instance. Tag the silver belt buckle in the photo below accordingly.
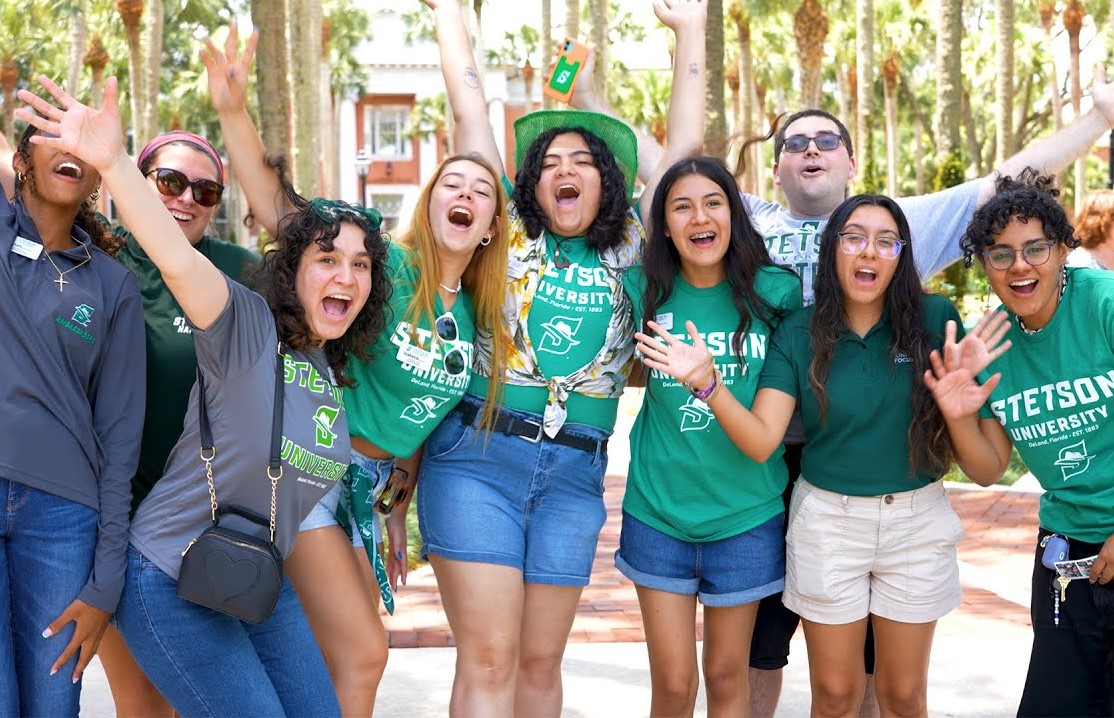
(534, 439)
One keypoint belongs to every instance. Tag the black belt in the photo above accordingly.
(531, 431)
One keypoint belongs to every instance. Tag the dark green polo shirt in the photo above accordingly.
(862, 449)
(171, 362)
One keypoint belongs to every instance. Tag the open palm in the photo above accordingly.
(90, 135)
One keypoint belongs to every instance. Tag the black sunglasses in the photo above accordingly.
(173, 183)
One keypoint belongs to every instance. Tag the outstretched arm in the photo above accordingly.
(685, 126)
(227, 71)
(7, 172)
(982, 448)
(1058, 150)
(463, 82)
(758, 431)
(95, 137)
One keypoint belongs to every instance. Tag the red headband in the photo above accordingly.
(178, 136)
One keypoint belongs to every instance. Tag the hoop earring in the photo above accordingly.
(95, 196)
(20, 177)
(486, 240)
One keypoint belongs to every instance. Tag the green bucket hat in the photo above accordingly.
(613, 133)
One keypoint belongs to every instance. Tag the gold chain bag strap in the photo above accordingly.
(224, 569)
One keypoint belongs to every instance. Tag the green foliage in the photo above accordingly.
(518, 48)
(949, 173)
(1014, 471)
(349, 27)
(427, 117)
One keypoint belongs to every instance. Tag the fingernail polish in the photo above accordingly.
(48, 633)
(398, 555)
(53, 671)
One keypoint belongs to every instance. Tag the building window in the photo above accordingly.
(385, 131)
(390, 206)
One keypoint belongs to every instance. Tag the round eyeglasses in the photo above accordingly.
(1002, 257)
(855, 243)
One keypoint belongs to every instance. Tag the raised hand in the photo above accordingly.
(228, 70)
(689, 364)
(983, 344)
(90, 135)
(679, 14)
(1102, 94)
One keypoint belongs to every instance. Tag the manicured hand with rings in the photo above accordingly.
(691, 365)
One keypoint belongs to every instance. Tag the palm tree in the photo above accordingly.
(305, 44)
(599, 37)
(949, 27)
(744, 122)
(1003, 13)
(154, 15)
(271, 75)
(131, 15)
(864, 63)
(572, 18)
(810, 29)
(715, 127)
(1073, 22)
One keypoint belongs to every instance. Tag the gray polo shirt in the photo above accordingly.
(72, 388)
(237, 355)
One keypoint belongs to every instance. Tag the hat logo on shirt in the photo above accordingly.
(422, 408)
(695, 415)
(82, 314)
(560, 335)
(1074, 460)
(323, 422)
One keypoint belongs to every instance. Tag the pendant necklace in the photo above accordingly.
(559, 260)
(61, 281)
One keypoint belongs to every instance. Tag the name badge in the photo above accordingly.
(27, 247)
(665, 321)
(415, 356)
(516, 269)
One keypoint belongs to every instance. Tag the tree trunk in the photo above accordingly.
(891, 70)
(948, 87)
(974, 146)
(1047, 10)
(154, 13)
(79, 29)
(131, 13)
(843, 90)
(864, 61)
(600, 19)
(547, 43)
(305, 44)
(1073, 22)
(572, 19)
(330, 142)
(1003, 11)
(96, 57)
(272, 76)
(747, 110)
(715, 129)
(919, 179)
(810, 28)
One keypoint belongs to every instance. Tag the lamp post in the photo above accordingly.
(363, 166)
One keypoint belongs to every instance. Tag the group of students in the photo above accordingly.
(803, 398)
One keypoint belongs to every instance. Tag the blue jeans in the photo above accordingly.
(210, 664)
(46, 556)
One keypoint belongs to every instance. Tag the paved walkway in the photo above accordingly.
(995, 562)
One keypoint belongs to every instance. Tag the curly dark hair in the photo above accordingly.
(746, 251)
(1030, 195)
(87, 218)
(606, 230)
(930, 449)
(779, 136)
(276, 276)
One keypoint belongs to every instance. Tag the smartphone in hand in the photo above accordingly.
(570, 61)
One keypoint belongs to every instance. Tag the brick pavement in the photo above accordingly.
(995, 563)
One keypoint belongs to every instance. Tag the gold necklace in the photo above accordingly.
(61, 281)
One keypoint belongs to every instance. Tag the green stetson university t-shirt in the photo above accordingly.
(404, 392)
(171, 360)
(687, 479)
(1056, 402)
(862, 448)
(568, 323)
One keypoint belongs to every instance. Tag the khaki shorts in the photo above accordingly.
(892, 556)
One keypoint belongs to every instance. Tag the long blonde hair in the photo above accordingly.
(484, 278)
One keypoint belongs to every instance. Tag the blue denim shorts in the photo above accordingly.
(496, 498)
(729, 572)
(324, 512)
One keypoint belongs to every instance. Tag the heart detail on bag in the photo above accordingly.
(228, 577)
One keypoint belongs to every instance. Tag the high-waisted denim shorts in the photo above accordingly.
(497, 498)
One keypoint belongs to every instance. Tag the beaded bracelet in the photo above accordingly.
(706, 393)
